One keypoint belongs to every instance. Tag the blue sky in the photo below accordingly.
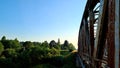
(40, 20)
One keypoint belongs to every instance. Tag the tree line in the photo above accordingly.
(16, 54)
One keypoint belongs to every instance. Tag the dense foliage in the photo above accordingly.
(15, 54)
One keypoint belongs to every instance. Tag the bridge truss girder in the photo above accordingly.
(100, 47)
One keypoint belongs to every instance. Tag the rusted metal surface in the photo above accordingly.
(101, 32)
(91, 23)
(101, 47)
(111, 32)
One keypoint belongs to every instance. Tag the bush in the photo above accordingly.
(43, 66)
(69, 61)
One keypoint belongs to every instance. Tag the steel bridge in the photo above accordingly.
(99, 35)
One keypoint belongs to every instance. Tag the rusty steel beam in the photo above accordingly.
(89, 6)
(84, 40)
(91, 23)
(107, 37)
(111, 33)
(101, 32)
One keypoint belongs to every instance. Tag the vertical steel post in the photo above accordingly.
(91, 23)
(111, 33)
(117, 33)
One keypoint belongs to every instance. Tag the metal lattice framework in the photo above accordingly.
(99, 34)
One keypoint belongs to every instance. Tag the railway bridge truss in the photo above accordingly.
(99, 35)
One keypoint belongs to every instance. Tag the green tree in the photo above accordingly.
(37, 44)
(10, 43)
(52, 44)
(71, 47)
(15, 44)
(28, 44)
(24, 58)
(9, 53)
(1, 48)
(66, 43)
(54, 52)
(3, 41)
(58, 43)
(3, 38)
(45, 44)
(67, 46)
(38, 53)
